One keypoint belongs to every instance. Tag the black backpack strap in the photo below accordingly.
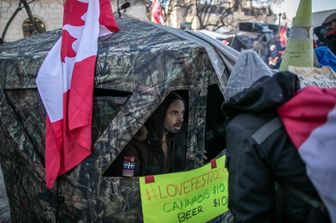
(266, 130)
(260, 136)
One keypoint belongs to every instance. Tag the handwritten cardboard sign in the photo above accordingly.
(192, 196)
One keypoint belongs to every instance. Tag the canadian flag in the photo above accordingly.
(157, 12)
(65, 83)
(310, 121)
(283, 36)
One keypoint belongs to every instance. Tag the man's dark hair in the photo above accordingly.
(155, 122)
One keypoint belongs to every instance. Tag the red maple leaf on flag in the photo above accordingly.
(66, 84)
(73, 12)
(67, 41)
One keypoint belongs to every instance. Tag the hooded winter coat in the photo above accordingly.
(177, 142)
(330, 37)
(262, 160)
(262, 156)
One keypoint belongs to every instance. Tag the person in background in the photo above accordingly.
(326, 54)
(330, 37)
(274, 57)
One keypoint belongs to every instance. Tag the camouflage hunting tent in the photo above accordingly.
(136, 68)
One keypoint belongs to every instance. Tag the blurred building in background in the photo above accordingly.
(15, 23)
(319, 17)
(214, 15)
(48, 15)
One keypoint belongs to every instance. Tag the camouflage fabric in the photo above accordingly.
(4, 206)
(136, 68)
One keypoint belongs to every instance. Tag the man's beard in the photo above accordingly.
(174, 129)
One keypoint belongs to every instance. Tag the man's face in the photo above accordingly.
(174, 116)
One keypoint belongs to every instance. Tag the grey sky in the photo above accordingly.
(290, 6)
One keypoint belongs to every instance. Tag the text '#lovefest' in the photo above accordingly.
(193, 196)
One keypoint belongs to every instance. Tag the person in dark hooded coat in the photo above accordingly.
(159, 146)
(330, 38)
(262, 161)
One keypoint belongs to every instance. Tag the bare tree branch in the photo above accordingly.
(22, 4)
(214, 14)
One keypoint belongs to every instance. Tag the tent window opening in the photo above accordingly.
(160, 145)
